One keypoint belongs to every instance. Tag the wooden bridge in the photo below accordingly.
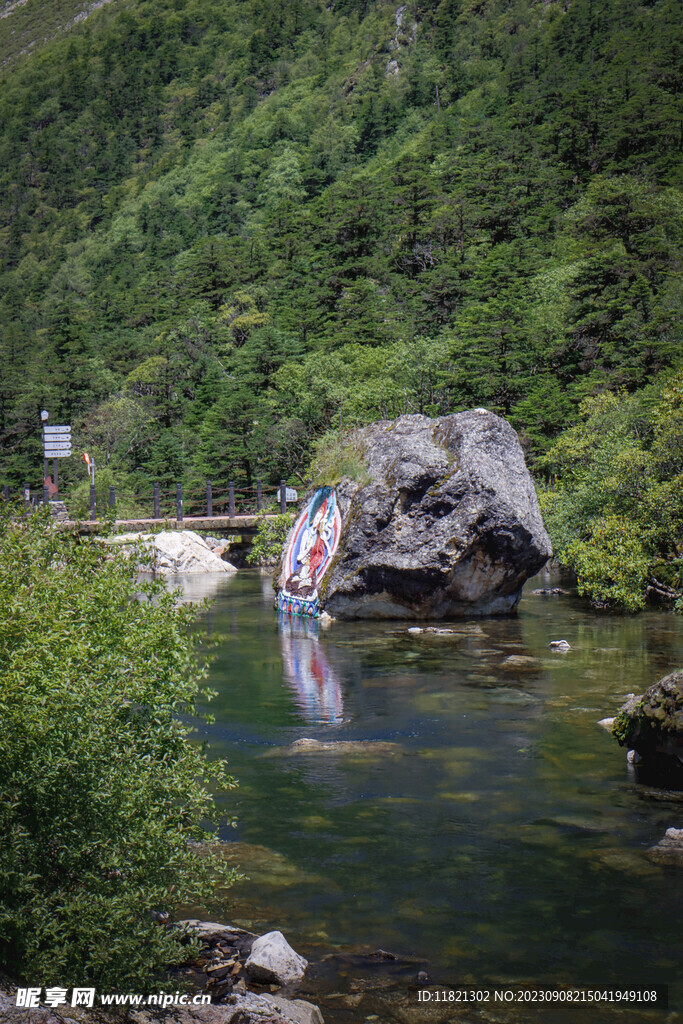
(212, 509)
(237, 525)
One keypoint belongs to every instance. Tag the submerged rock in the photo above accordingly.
(519, 663)
(445, 523)
(652, 726)
(263, 866)
(669, 850)
(362, 748)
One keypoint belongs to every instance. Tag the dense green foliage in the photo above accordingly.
(616, 514)
(101, 789)
(231, 227)
(270, 537)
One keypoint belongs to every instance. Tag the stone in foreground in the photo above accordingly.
(445, 524)
(238, 1009)
(272, 959)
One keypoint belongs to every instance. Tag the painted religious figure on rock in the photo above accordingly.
(309, 553)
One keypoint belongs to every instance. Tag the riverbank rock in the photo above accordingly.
(444, 524)
(272, 959)
(462, 632)
(652, 726)
(212, 933)
(669, 850)
(174, 551)
(550, 592)
(249, 1008)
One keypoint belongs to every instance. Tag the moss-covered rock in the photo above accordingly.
(652, 725)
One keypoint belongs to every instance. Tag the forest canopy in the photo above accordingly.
(230, 227)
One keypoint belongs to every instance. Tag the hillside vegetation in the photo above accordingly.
(229, 227)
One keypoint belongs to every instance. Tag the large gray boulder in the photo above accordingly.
(446, 523)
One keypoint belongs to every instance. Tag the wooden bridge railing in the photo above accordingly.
(178, 503)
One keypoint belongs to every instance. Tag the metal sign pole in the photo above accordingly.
(44, 416)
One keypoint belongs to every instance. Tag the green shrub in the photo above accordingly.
(611, 566)
(77, 497)
(101, 789)
(613, 503)
(270, 538)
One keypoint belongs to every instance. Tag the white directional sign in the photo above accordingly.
(56, 441)
(290, 494)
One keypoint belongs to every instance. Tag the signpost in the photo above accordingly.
(60, 443)
(56, 445)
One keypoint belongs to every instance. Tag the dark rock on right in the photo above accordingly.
(652, 726)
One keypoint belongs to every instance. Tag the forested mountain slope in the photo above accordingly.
(228, 227)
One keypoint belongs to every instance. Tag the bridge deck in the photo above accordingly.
(220, 524)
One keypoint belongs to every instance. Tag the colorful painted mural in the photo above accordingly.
(309, 553)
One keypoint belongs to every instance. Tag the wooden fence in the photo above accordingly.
(175, 503)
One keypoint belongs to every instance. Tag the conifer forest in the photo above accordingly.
(231, 230)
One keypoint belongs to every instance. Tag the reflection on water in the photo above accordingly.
(317, 691)
(502, 840)
(197, 587)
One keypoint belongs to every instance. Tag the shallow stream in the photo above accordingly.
(488, 827)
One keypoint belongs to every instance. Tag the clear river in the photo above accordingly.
(486, 830)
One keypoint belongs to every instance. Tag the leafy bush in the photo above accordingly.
(614, 502)
(612, 565)
(77, 497)
(269, 539)
(102, 792)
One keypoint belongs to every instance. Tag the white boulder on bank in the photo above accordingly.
(174, 551)
(272, 959)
